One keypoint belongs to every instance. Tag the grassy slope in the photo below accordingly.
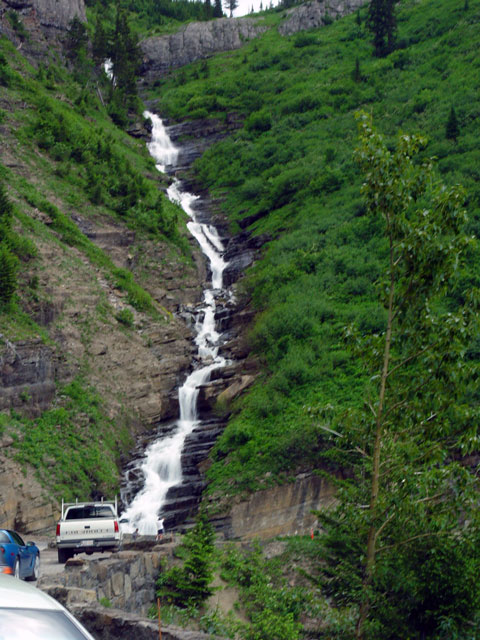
(292, 166)
(49, 180)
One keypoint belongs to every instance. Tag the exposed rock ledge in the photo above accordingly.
(283, 510)
(48, 13)
(311, 15)
(195, 41)
(200, 40)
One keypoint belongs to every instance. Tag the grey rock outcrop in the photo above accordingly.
(114, 624)
(282, 510)
(126, 579)
(195, 41)
(27, 372)
(48, 13)
(311, 15)
(24, 505)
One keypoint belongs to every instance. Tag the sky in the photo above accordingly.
(245, 6)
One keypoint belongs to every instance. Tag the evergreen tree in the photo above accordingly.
(77, 38)
(451, 129)
(217, 9)
(6, 207)
(382, 22)
(399, 526)
(125, 56)
(231, 5)
(356, 73)
(208, 9)
(198, 564)
(190, 585)
(100, 46)
(8, 271)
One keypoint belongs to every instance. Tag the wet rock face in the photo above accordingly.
(196, 41)
(312, 15)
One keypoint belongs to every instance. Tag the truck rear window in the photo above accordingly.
(88, 511)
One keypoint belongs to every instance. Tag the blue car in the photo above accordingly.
(17, 558)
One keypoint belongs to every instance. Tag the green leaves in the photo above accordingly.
(189, 586)
(407, 438)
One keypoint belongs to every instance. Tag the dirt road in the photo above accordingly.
(49, 565)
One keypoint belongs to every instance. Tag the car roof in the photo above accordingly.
(18, 594)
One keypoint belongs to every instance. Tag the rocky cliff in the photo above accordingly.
(200, 40)
(312, 15)
(195, 41)
(37, 26)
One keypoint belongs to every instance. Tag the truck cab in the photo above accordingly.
(87, 527)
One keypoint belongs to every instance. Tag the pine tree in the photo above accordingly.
(77, 38)
(208, 9)
(198, 565)
(8, 271)
(125, 56)
(190, 585)
(217, 9)
(382, 22)
(356, 73)
(452, 130)
(231, 5)
(6, 207)
(99, 43)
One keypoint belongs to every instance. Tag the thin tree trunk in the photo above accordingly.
(372, 533)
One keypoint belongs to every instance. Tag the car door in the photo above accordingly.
(24, 553)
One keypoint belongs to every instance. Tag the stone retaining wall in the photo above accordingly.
(126, 579)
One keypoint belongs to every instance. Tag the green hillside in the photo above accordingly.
(63, 156)
(398, 555)
(291, 169)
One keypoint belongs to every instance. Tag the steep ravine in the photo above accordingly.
(154, 482)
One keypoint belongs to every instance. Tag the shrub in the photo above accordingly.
(125, 317)
(304, 40)
(259, 121)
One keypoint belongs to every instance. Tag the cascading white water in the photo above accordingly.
(161, 466)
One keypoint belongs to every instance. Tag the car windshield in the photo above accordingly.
(36, 624)
(90, 511)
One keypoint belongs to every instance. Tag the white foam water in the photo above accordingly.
(161, 466)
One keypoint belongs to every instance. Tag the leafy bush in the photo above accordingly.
(259, 121)
(125, 317)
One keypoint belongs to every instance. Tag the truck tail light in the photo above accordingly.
(58, 529)
(115, 525)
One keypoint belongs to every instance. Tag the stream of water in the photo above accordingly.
(161, 467)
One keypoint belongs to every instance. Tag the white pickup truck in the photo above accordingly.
(86, 527)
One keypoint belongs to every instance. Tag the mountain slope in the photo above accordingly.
(290, 173)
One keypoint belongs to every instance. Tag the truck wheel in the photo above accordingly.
(64, 555)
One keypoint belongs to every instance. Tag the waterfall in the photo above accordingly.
(161, 466)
